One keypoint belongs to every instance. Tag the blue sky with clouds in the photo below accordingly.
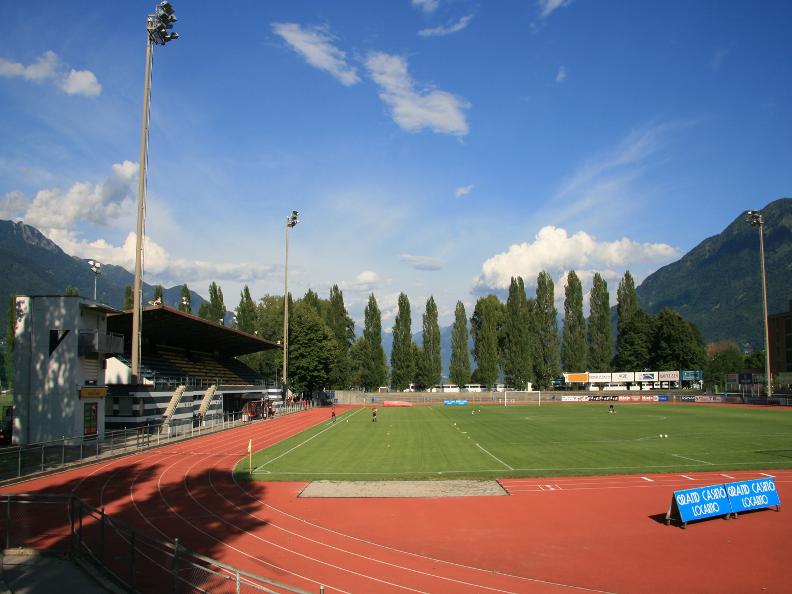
(435, 147)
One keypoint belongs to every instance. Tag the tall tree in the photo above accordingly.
(599, 327)
(129, 299)
(573, 338)
(312, 349)
(459, 367)
(245, 315)
(185, 300)
(343, 329)
(634, 329)
(515, 340)
(312, 298)
(269, 325)
(676, 344)
(485, 327)
(373, 367)
(729, 360)
(215, 309)
(431, 363)
(546, 320)
(402, 355)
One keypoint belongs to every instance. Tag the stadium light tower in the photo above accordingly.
(755, 219)
(157, 27)
(291, 222)
(96, 268)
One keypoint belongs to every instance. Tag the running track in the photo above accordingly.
(552, 535)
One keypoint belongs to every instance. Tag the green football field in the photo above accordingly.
(477, 442)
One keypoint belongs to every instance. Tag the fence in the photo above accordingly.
(136, 561)
(19, 461)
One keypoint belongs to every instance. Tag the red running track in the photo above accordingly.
(552, 535)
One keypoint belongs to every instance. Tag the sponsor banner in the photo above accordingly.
(668, 376)
(662, 397)
(691, 376)
(574, 398)
(687, 398)
(702, 502)
(707, 398)
(623, 376)
(645, 376)
(599, 378)
(624, 398)
(649, 398)
(635, 397)
(455, 402)
(603, 398)
(576, 378)
(755, 494)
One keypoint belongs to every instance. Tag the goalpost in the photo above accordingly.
(522, 397)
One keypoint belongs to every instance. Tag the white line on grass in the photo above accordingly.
(259, 467)
(692, 459)
(494, 457)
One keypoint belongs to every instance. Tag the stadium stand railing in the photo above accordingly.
(132, 559)
(17, 462)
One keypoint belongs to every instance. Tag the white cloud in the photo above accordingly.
(81, 82)
(428, 6)
(414, 110)
(463, 191)
(100, 204)
(315, 45)
(48, 67)
(448, 29)
(548, 6)
(12, 205)
(562, 74)
(422, 262)
(556, 252)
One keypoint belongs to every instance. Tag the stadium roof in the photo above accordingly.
(166, 325)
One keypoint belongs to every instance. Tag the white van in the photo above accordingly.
(473, 388)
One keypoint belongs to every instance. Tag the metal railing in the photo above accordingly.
(96, 341)
(133, 559)
(20, 461)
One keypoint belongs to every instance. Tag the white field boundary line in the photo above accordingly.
(494, 457)
(692, 459)
(289, 451)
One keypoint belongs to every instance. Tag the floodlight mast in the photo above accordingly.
(291, 222)
(157, 26)
(755, 219)
(96, 268)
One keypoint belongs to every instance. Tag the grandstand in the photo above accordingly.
(189, 370)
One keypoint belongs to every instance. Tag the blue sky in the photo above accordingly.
(435, 147)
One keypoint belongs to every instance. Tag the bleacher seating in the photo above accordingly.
(175, 362)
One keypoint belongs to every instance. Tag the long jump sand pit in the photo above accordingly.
(394, 489)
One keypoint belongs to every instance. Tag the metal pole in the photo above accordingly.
(94, 286)
(768, 377)
(285, 306)
(137, 292)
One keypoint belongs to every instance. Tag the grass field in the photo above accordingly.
(432, 442)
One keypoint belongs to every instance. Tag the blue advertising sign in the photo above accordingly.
(690, 376)
(755, 494)
(662, 398)
(455, 402)
(702, 502)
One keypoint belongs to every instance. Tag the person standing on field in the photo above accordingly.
(374, 415)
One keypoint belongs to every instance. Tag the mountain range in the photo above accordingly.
(716, 285)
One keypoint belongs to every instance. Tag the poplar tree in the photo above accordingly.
(573, 338)
(215, 309)
(402, 360)
(676, 344)
(343, 329)
(515, 341)
(185, 300)
(635, 329)
(431, 366)
(485, 326)
(245, 319)
(373, 367)
(129, 299)
(459, 367)
(599, 327)
(548, 360)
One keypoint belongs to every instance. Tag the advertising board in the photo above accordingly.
(691, 376)
(580, 378)
(662, 397)
(574, 398)
(668, 376)
(645, 376)
(455, 402)
(755, 494)
(701, 502)
(599, 378)
(687, 398)
(708, 398)
(649, 398)
(623, 376)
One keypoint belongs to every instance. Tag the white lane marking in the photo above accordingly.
(765, 474)
(728, 476)
(494, 457)
(690, 478)
(646, 478)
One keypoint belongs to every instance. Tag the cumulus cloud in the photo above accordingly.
(448, 29)
(428, 6)
(100, 204)
(415, 109)
(48, 67)
(422, 262)
(562, 74)
(546, 7)
(315, 45)
(12, 205)
(463, 191)
(556, 251)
